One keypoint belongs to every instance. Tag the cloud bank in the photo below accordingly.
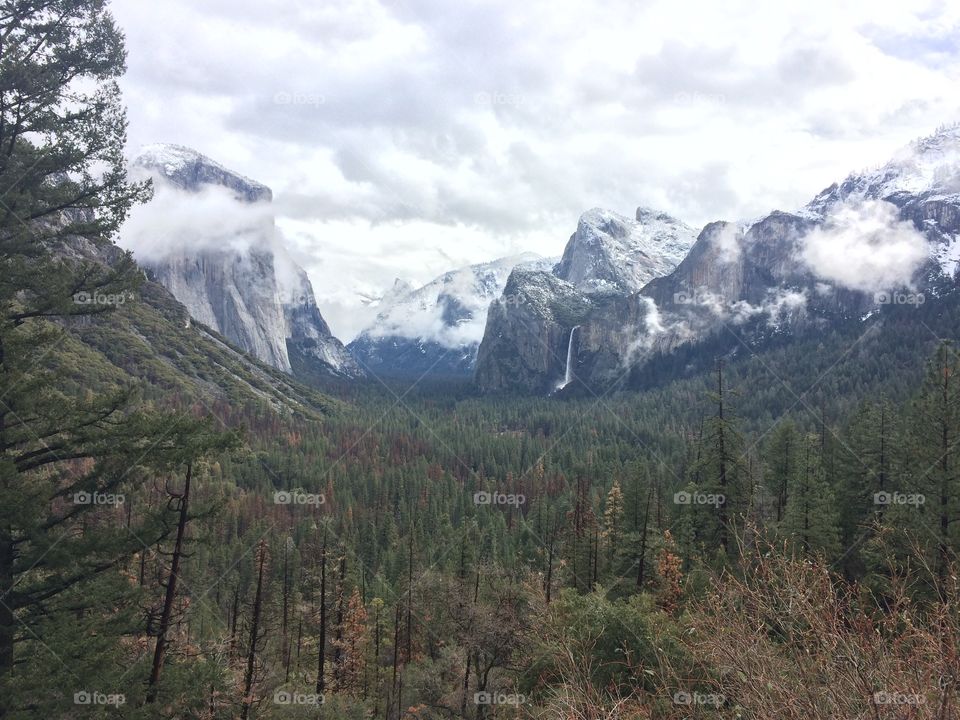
(865, 246)
(210, 219)
(406, 138)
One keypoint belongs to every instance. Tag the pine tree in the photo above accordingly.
(64, 189)
(354, 644)
(53, 135)
(810, 519)
(719, 474)
(937, 474)
(670, 575)
(781, 456)
(613, 517)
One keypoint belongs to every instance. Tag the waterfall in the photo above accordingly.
(568, 373)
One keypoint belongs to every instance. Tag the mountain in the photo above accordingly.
(209, 238)
(612, 254)
(436, 328)
(923, 181)
(150, 341)
(529, 332)
(889, 236)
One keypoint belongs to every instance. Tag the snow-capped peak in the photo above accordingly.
(450, 310)
(612, 253)
(928, 166)
(190, 169)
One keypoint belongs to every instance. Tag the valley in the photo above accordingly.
(656, 472)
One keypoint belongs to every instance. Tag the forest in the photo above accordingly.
(771, 535)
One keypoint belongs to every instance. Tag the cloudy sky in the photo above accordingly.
(403, 138)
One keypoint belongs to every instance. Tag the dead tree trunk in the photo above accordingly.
(322, 641)
(338, 638)
(170, 597)
(254, 638)
(642, 561)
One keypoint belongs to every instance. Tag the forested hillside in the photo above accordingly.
(762, 529)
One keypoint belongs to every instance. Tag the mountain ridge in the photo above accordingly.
(239, 278)
(876, 238)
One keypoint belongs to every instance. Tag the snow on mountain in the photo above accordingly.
(613, 254)
(922, 180)
(191, 170)
(858, 241)
(209, 237)
(452, 309)
(927, 167)
(437, 328)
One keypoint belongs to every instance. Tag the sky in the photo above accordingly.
(406, 138)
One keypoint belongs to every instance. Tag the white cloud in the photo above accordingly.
(496, 124)
(728, 242)
(777, 306)
(177, 220)
(865, 246)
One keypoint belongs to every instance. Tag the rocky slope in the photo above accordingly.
(528, 332)
(612, 254)
(888, 236)
(150, 342)
(211, 241)
(528, 335)
(436, 329)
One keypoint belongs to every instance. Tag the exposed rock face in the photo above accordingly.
(311, 346)
(525, 343)
(236, 295)
(237, 279)
(188, 169)
(756, 280)
(612, 254)
(524, 347)
(436, 329)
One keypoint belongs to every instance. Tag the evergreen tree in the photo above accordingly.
(719, 474)
(937, 470)
(810, 517)
(781, 456)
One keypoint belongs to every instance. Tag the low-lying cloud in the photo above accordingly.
(176, 220)
(865, 246)
(451, 310)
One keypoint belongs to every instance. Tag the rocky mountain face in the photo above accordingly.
(236, 295)
(528, 332)
(610, 254)
(150, 339)
(889, 236)
(529, 335)
(236, 277)
(436, 329)
(189, 170)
